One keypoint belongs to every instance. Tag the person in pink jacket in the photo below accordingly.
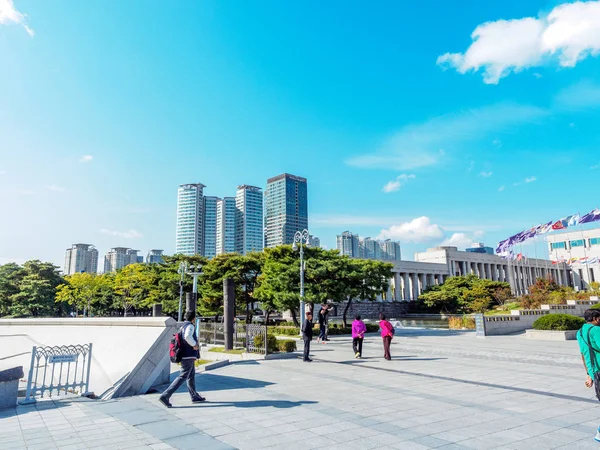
(358, 334)
(387, 333)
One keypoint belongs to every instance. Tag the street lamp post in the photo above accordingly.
(195, 271)
(181, 271)
(302, 238)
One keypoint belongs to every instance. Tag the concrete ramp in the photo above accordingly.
(129, 356)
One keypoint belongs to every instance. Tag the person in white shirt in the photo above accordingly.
(189, 354)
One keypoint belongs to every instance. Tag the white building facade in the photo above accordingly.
(249, 231)
(190, 219)
(155, 256)
(286, 209)
(348, 244)
(209, 224)
(81, 258)
(580, 251)
(119, 257)
(225, 226)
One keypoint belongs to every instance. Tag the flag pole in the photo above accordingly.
(587, 266)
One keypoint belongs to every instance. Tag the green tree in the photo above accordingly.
(11, 275)
(132, 284)
(37, 290)
(85, 291)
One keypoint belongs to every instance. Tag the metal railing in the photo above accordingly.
(244, 335)
(256, 338)
(59, 370)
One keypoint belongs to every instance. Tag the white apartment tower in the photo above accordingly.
(209, 248)
(249, 235)
(347, 244)
(190, 219)
(81, 258)
(119, 257)
(226, 216)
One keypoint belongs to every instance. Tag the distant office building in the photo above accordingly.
(155, 257)
(119, 257)
(209, 248)
(580, 250)
(390, 250)
(286, 209)
(81, 258)
(369, 249)
(190, 219)
(225, 226)
(348, 244)
(249, 234)
(140, 259)
(314, 241)
(478, 247)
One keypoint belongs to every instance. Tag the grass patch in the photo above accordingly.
(235, 351)
(201, 362)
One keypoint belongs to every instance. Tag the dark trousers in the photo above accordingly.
(323, 332)
(357, 345)
(187, 373)
(387, 340)
(306, 348)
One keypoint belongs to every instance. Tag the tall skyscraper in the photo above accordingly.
(190, 219)
(209, 248)
(249, 234)
(347, 244)
(119, 257)
(155, 257)
(369, 249)
(81, 258)
(286, 209)
(225, 226)
(391, 250)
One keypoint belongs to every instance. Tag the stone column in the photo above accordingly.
(494, 272)
(397, 288)
(415, 286)
(228, 311)
(406, 285)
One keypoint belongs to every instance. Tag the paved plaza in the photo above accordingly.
(442, 389)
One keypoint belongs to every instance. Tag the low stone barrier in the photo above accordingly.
(9, 386)
(549, 335)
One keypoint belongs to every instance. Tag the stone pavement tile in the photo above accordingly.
(46, 446)
(218, 431)
(583, 444)
(458, 447)
(161, 446)
(197, 441)
(168, 429)
(450, 436)
(431, 441)
(138, 417)
(409, 445)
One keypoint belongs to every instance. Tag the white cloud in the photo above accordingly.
(428, 143)
(525, 181)
(396, 184)
(86, 159)
(595, 166)
(485, 174)
(24, 191)
(537, 75)
(417, 230)
(501, 188)
(56, 188)
(460, 240)
(568, 34)
(9, 14)
(130, 234)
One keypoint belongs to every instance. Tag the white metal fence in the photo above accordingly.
(59, 370)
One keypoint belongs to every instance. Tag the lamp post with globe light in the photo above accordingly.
(302, 238)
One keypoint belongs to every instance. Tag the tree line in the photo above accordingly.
(270, 279)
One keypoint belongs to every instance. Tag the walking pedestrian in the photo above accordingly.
(307, 335)
(387, 333)
(588, 339)
(189, 354)
(358, 334)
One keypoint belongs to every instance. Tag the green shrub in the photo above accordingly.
(596, 306)
(272, 345)
(558, 322)
(372, 327)
(286, 345)
(284, 331)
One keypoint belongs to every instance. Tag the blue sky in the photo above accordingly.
(428, 122)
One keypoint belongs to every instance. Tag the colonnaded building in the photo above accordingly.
(433, 266)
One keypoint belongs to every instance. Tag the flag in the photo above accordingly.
(546, 228)
(560, 224)
(583, 260)
(573, 220)
(519, 256)
(592, 216)
(593, 260)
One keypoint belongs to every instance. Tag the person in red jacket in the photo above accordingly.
(387, 333)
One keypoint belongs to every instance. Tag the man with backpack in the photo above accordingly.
(185, 349)
(588, 338)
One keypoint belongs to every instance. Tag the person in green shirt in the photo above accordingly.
(590, 330)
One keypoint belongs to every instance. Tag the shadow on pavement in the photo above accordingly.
(284, 404)
(212, 382)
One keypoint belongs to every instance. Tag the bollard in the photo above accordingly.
(157, 310)
(228, 311)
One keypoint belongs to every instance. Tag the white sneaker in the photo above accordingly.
(597, 438)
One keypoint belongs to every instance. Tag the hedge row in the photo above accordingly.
(558, 322)
(275, 345)
(333, 330)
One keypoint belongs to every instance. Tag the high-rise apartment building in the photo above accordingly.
(286, 209)
(390, 250)
(155, 257)
(190, 219)
(369, 249)
(209, 247)
(314, 241)
(347, 244)
(226, 216)
(249, 225)
(81, 258)
(119, 257)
